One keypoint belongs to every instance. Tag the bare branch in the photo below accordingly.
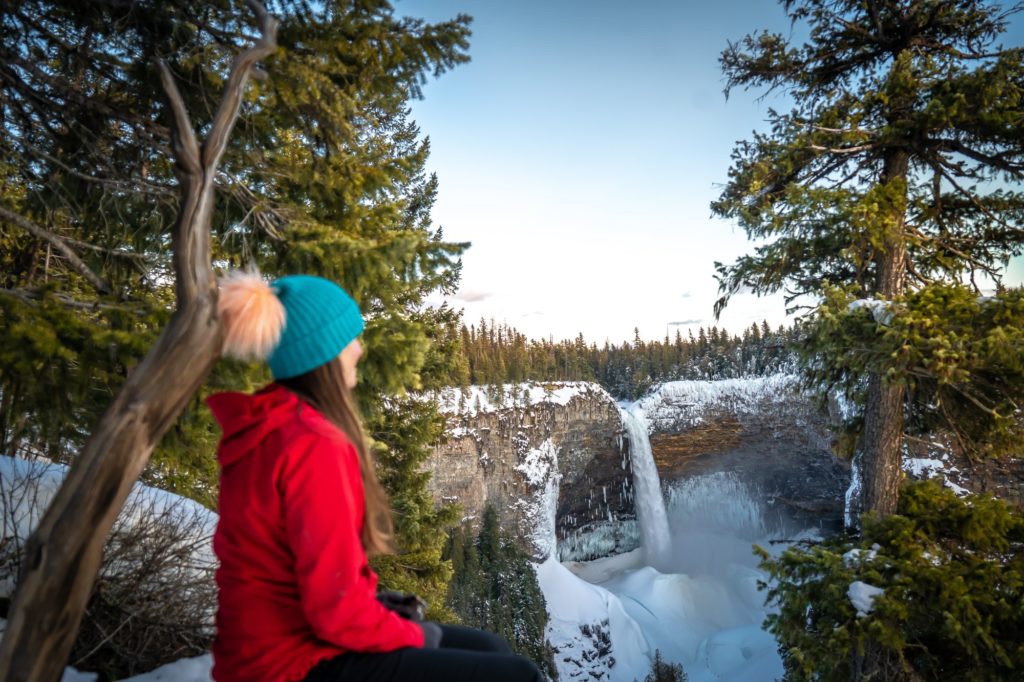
(997, 161)
(137, 259)
(186, 148)
(42, 233)
(124, 185)
(974, 262)
(974, 200)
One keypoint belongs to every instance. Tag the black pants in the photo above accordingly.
(466, 655)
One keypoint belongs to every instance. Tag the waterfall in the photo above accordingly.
(650, 505)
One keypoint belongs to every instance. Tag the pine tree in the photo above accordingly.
(662, 671)
(885, 181)
(325, 174)
(494, 587)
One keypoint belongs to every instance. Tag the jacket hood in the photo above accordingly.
(246, 420)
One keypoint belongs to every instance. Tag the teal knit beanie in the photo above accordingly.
(320, 320)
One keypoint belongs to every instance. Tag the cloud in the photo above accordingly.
(472, 295)
(682, 323)
(687, 294)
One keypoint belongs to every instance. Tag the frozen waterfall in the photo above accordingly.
(655, 539)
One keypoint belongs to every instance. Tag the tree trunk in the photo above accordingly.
(883, 416)
(883, 443)
(63, 555)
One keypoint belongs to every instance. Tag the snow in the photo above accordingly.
(851, 506)
(936, 466)
(580, 617)
(880, 310)
(858, 556)
(703, 610)
(539, 511)
(186, 670)
(473, 400)
(28, 487)
(539, 462)
(862, 596)
(678, 404)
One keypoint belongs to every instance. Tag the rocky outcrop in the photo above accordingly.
(542, 454)
(773, 438)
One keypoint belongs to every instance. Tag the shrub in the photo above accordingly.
(155, 597)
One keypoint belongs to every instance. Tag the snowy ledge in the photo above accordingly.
(683, 402)
(474, 400)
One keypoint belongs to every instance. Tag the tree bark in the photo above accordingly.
(883, 443)
(63, 555)
(883, 416)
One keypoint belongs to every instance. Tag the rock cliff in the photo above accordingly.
(540, 453)
(555, 455)
(774, 440)
(553, 459)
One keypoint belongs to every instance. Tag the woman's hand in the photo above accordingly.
(408, 606)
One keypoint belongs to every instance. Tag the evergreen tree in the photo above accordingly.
(662, 671)
(887, 181)
(324, 175)
(494, 587)
(950, 572)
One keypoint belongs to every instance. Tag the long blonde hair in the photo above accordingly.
(324, 388)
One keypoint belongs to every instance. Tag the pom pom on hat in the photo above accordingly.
(252, 315)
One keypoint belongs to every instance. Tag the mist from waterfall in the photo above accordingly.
(655, 540)
(691, 588)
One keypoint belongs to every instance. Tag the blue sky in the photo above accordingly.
(579, 151)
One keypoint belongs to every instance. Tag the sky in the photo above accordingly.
(579, 151)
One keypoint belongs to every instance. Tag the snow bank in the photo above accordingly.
(26, 491)
(28, 487)
(592, 635)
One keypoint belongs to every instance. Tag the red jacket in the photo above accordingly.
(294, 585)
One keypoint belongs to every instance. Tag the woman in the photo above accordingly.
(301, 509)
